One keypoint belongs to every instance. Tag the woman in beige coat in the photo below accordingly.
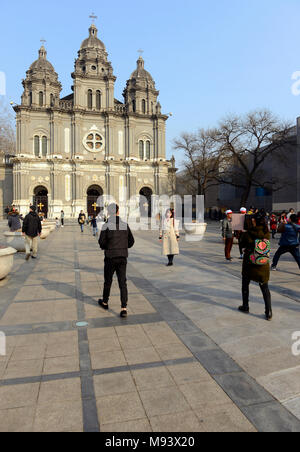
(169, 236)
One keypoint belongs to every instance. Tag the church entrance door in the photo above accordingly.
(93, 194)
(40, 200)
(146, 202)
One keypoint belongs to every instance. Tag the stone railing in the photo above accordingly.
(66, 104)
(120, 108)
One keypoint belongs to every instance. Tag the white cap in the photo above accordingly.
(228, 212)
(243, 209)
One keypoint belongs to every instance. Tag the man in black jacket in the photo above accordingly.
(115, 239)
(32, 229)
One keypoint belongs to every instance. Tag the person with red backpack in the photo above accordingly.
(256, 263)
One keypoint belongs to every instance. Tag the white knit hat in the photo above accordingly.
(243, 209)
(228, 212)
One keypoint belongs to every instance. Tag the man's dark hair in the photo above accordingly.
(294, 218)
(113, 209)
(33, 208)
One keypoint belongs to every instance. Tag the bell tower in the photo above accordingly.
(93, 75)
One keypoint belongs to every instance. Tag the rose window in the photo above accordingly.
(94, 142)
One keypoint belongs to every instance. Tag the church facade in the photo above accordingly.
(74, 149)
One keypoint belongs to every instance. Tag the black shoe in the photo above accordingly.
(103, 305)
(169, 264)
(27, 257)
(33, 257)
(123, 314)
(269, 315)
(244, 309)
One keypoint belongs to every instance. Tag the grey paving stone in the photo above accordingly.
(217, 362)
(182, 327)
(198, 342)
(242, 389)
(272, 418)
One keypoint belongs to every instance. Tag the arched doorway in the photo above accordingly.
(93, 194)
(40, 200)
(146, 206)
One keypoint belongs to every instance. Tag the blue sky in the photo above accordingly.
(208, 58)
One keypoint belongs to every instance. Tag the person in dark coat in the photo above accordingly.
(254, 272)
(32, 228)
(82, 220)
(289, 242)
(115, 239)
(14, 221)
(227, 234)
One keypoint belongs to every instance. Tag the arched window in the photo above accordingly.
(152, 107)
(148, 152)
(144, 106)
(141, 150)
(51, 100)
(30, 98)
(44, 147)
(41, 99)
(98, 100)
(37, 146)
(90, 99)
(133, 106)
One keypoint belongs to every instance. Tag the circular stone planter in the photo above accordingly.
(45, 233)
(16, 240)
(50, 225)
(195, 231)
(6, 260)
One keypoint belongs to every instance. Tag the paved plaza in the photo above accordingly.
(184, 360)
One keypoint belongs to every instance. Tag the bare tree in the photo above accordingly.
(245, 144)
(7, 130)
(202, 159)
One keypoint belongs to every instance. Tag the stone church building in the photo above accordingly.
(71, 150)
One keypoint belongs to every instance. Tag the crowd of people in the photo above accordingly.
(254, 243)
(253, 233)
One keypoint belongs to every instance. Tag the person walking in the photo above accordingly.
(94, 225)
(227, 234)
(289, 242)
(81, 220)
(62, 218)
(115, 239)
(256, 266)
(14, 221)
(243, 211)
(298, 218)
(6, 211)
(32, 228)
(169, 236)
(273, 225)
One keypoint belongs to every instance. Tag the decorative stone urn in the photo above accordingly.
(16, 240)
(6, 260)
(195, 231)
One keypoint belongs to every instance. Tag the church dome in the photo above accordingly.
(42, 64)
(92, 42)
(140, 73)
